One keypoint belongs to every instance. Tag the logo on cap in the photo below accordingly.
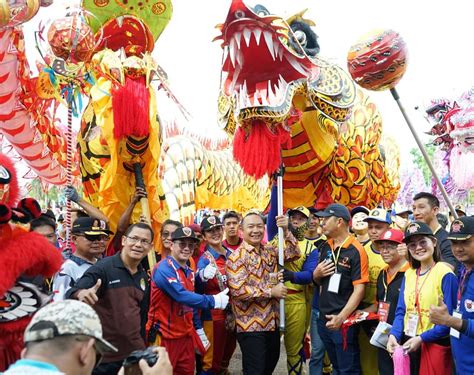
(375, 213)
(212, 220)
(387, 235)
(413, 228)
(187, 231)
(457, 226)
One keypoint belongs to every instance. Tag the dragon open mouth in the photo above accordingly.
(258, 65)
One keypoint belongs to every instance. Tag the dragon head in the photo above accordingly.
(271, 74)
(134, 25)
(266, 61)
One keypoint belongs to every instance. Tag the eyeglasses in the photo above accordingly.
(184, 245)
(94, 237)
(134, 240)
(387, 246)
(412, 246)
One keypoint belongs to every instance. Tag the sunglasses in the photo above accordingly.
(94, 237)
(184, 245)
(412, 246)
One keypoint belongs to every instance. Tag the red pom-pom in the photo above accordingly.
(131, 107)
(259, 152)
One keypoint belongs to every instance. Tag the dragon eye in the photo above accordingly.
(301, 37)
(239, 14)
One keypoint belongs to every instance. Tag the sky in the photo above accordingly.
(438, 35)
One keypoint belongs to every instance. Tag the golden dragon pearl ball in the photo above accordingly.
(14, 13)
(71, 39)
(378, 60)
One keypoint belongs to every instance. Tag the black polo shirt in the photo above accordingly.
(122, 306)
(353, 267)
(445, 246)
(393, 290)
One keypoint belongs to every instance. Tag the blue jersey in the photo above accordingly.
(463, 348)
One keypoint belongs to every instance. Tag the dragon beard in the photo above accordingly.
(298, 232)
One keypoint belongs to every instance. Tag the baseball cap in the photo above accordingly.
(91, 226)
(184, 232)
(46, 212)
(417, 228)
(335, 209)
(359, 209)
(301, 209)
(393, 235)
(64, 318)
(312, 210)
(462, 228)
(402, 210)
(210, 222)
(379, 214)
(460, 208)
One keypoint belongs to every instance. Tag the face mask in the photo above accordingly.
(298, 232)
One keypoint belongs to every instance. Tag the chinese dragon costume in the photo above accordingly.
(282, 103)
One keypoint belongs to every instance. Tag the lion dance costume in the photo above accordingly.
(22, 253)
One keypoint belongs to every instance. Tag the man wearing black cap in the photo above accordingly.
(462, 320)
(342, 273)
(170, 318)
(425, 209)
(117, 287)
(89, 236)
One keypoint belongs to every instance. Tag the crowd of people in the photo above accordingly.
(364, 291)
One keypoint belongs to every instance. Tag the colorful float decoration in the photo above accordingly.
(282, 103)
(452, 128)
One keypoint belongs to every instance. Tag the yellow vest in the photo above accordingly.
(429, 290)
(376, 264)
(306, 247)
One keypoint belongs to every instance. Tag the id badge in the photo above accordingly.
(384, 308)
(412, 325)
(334, 282)
(454, 332)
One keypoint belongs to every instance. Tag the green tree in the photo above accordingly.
(420, 161)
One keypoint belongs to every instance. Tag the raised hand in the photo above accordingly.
(89, 296)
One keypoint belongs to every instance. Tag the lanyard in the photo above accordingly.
(385, 285)
(336, 257)
(417, 292)
(464, 275)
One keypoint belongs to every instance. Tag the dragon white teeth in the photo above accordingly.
(276, 49)
(247, 34)
(271, 96)
(268, 39)
(232, 51)
(258, 33)
(296, 65)
(240, 58)
(280, 53)
(238, 37)
(119, 21)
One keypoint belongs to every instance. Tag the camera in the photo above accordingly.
(130, 363)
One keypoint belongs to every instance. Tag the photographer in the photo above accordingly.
(66, 338)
